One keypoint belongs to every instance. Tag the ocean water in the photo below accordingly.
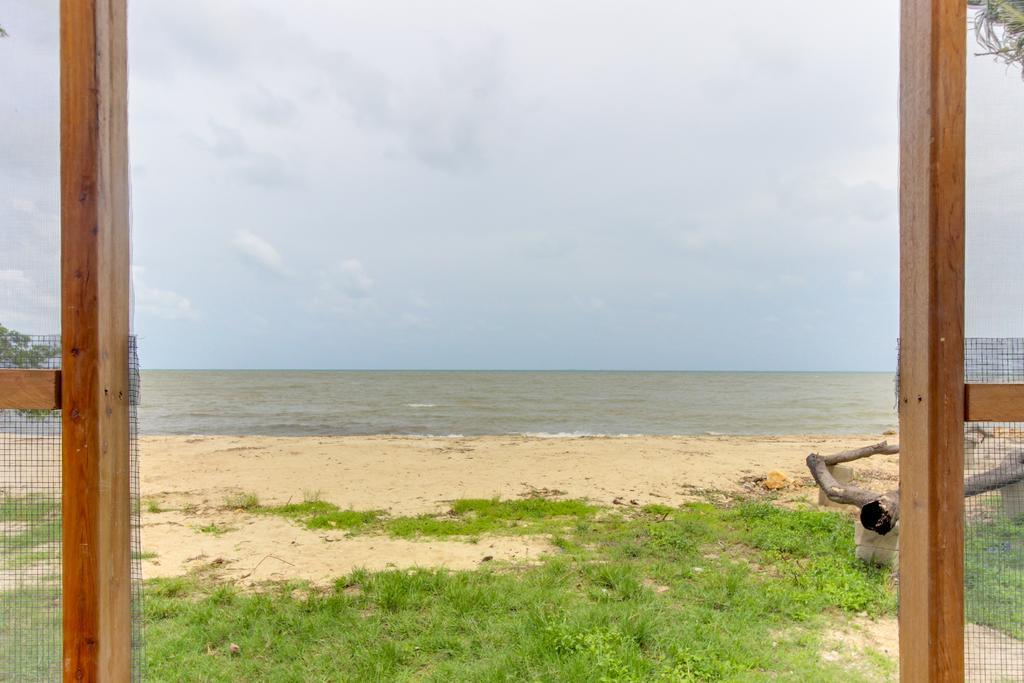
(298, 403)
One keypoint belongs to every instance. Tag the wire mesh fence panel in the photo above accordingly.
(30, 523)
(994, 557)
(30, 296)
(138, 654)
(994, 327)
(30, 454)
(994, 523)
(30, 541)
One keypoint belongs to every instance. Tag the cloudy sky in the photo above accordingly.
(490, 184)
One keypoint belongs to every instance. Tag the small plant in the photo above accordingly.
(214, 529)
(319, 514)
(249, 502)
(153, 505)
(342, 519)
(658, 510)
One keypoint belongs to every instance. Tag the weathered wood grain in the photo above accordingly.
(931, 402)
(95, 327)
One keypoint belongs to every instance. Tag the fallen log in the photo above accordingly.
(882, 509)
(879, 512)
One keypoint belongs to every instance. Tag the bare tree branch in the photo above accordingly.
(882, 509)
(879, 512)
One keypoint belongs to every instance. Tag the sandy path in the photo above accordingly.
(189, 478)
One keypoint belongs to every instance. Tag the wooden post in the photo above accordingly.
(932, 101)
(95, 328)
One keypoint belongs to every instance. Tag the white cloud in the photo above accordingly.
(345, 289)
(162, 303)
(354, 280)
(461, 152)
(443, 120)
(259, 252)
(269, 108)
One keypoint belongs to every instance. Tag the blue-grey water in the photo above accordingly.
(539, 403)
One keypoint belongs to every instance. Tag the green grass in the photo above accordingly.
(242, 501)
(153, 506)
(30, 528)
(994, 574)
(698, 593)
(214, 529)
(30, 637)
(468, 517)
(317, 514)
(31, 524)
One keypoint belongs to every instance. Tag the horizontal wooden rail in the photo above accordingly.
(30, 389)
(994, 402)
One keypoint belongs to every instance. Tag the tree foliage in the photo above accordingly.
(21, 351)
(999, 29)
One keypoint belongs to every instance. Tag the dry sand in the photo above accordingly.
(190, 477)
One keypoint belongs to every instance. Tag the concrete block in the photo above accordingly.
(877, 549)
(844, 475)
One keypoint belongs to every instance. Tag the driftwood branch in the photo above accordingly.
(879, 512)
(1010, 472)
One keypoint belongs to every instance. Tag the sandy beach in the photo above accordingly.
(188, 480)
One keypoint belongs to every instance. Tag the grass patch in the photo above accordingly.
(318, 514)
(31, 527)
(214, 529)
(994, 575)
(30, 638)
(153, 506)
(476, 516)
(468, 517)
(697, 593)
(249, 502)
(30, 533)
(522, 509)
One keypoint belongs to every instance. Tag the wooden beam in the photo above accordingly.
(932, 99)
(30, 389)
(95, 328)
(994, 402)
